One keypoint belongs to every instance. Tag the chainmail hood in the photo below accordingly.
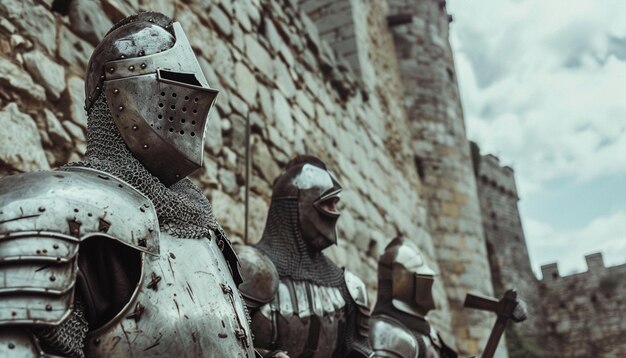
(182, 209)
(282, 242)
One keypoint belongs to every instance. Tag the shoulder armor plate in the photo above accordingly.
(78, 202)
(43, 218)
(388, 339)
(357, 289)
(260, 277)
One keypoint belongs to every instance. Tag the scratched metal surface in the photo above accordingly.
(186, 306)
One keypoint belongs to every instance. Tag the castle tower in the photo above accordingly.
(443, 159)
(507, 251)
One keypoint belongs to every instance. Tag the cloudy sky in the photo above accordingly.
(543, 84)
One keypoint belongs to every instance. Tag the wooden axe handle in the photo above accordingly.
(494, 338)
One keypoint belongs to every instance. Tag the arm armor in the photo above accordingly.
(390, 340)
(358, 292)
(44, 216)
(260, 277)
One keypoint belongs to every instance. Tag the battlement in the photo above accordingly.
(490, 173)
(595, 264)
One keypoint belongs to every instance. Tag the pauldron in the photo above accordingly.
(44, 216)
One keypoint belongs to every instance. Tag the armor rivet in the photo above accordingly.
(45, 251)
(41, 209)
(13, 313)
(111, 69)
(142, 53)
(143, 65)
(48, 307)
(101, 77)
(75, 210)
(89, 97)
(97, 88)
(177, 176)
(97, 341)
(55, 246)
(38, 252)
(116, 91)
(135, 127)
(121, 108)
(172, 255)
(11, 346)
(53, 278)
(122, 57)
(142, 209)
(131, 68)
(145, 146)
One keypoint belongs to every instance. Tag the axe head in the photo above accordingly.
(508, 307)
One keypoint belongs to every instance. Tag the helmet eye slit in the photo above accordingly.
(181, 77)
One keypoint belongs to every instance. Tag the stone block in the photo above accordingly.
(58, 135)
(74, 50)
(75, 131)
(46, 72)
(257, 218)
(241, 15)
(19, 80)
(213, 135)
(228, 180)
(282, 114)
(88, 20)
(223, 64)
(272, 36)
(20, 143)
(246, 82)
(76, 93)
(263, 161)
(117, 10)
(34, 21)
(228, 212)
(267, 106)
(262, 60)
(221, 21)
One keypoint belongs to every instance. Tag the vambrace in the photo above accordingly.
(358, 292)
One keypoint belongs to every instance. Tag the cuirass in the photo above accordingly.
(303, 319)
(186, 305)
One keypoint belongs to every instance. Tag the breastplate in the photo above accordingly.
(304, 319)
(185, 306)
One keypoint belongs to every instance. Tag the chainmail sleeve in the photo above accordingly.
(68, 338)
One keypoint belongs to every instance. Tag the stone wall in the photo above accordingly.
(271, 66)
(441, 153)
(507, 251)
(586, 312)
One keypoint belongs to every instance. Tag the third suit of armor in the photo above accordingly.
(399, 327)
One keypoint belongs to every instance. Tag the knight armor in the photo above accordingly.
(96, 255)
(399, 326)
(299, 300)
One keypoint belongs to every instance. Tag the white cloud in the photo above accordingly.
(542, 85)
(605, 234)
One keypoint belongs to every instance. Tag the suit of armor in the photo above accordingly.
(96, 256)
(399, 327)
(300, 301)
